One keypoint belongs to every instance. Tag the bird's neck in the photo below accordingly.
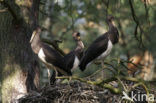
(113, 32)
(80, 45)
(111, 25)
(36, 44)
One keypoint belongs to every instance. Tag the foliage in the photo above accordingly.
(134, 19)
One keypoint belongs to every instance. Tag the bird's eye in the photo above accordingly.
(78, 34)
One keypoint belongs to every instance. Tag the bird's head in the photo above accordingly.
(35, 32)
(76, 36)
(110, 19)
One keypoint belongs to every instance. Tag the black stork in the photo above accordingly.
(102, 46)
(72, 59)
(50, 57)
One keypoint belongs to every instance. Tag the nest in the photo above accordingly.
(82, 91)
(74, 92)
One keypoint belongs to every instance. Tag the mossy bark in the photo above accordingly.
(18, 66)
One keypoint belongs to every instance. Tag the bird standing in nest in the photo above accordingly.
(102, 46)
(73, 58)
(50, 57)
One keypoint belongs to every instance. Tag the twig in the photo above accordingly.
(105, 83)
(131, 62)
(147, 13)
(93, 74)
(137, 24)
(97, 83)
(125, 89)
(112, 89)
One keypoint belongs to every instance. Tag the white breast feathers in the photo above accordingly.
(107, 51)
(76, 63)
(41, 55)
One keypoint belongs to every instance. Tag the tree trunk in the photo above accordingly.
(19, 68)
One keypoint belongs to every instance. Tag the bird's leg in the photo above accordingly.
(57, 75)
(70, 78)
(102, 64)
(48, 70)
(68, 82)
(53, 78)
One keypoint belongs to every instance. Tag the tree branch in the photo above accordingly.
(5, 4)
(105, 83)
(147, 13)
(137, 24)
(97, 83)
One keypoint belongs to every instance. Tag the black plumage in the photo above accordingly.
(69, 59)
(72, 59)
(102, 46)
(50, 57)
(54, 58)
